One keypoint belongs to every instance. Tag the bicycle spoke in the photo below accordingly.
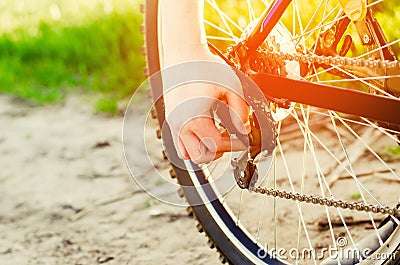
(364, 82)
(343, 159)
(293, 21)
(362, 186)
(354, 177)
(388, 131)
(309, 143)
(319, 174)
(303, 34)
(382, 130)
(252, 16)
(319, 31)
(302, 126)
(240, 206)
(220, 38)
(315, 14)
(220, 29)
(301, 217)
(265, 2)
(320, 26)
(337, 159)
(335, 156)
(379, 48)
(360, 79)
(356, 78)
(358, 57)
(300, 23)
(367, 146)
(338, 17)
(274, 206)
(321, 179)
(260, 219)
(298, 206)
(303, 174)
(224, 17)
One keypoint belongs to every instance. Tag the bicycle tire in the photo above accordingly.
(233, 243)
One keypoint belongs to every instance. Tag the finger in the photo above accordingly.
(182, 152)
(177, 143)
(197, 150)
(239, 111)
(215, 142)
(218, 155)
(236, 145)
(208, 157)
(230, 145)
(193, 146)
(205, 130)
(225, 134)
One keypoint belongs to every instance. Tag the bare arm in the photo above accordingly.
(184, 40)
(182, 25)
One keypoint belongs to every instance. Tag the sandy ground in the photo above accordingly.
(66, 196)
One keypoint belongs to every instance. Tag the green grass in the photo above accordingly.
(107, 105)
(394, 150)
(356, 196)
(51, 48)
(149, 203)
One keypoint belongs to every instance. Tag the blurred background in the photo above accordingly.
(49, 48)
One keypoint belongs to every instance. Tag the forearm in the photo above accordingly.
(182, 28)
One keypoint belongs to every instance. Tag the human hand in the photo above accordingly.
(188, 110)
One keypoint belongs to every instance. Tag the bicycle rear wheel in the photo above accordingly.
(319, 152)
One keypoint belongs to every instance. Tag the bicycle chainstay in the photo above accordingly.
(273, 62)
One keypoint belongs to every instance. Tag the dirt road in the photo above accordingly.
(66, 196)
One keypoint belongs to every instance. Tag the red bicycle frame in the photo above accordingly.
(329, 97)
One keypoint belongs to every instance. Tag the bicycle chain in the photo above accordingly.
(331, 60)
(317, 200)
(275, 58)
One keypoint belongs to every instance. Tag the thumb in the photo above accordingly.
(239, 111)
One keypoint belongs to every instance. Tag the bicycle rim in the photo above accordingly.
(240, 224)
